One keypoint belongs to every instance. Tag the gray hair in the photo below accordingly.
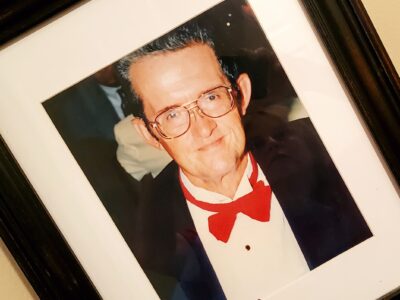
(182, 37)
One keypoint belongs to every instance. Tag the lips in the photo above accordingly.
(212, 145)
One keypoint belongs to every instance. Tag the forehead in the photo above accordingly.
(172, 78)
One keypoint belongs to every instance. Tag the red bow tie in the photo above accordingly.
(255, 204)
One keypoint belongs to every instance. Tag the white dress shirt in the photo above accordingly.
(134, 154)
(259, 257)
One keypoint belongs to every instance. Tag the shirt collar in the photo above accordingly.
(244, 186)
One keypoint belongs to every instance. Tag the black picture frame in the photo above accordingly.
(17, 17)
(34, 240)
(25, 225)
(364, 65)
(352, 43)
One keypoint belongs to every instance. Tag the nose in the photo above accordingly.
(201, 125)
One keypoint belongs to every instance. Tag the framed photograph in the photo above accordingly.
(209, 150)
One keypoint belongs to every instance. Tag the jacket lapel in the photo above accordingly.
(168, 244)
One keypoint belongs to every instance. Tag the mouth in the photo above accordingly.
(212, 145)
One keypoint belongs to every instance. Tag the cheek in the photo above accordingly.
(178, 149)
(236, 131)
(238, 145)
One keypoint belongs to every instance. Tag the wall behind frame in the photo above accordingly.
(13, 284)
(384, 15)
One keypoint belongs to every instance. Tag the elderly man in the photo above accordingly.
(229, 217)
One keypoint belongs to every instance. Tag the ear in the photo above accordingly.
(141, 128)
(244, 84)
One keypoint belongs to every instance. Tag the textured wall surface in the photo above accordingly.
(13, 284)
(385, 16)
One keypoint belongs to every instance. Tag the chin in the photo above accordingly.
(220, 167)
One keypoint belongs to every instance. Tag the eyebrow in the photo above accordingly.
(182, 105)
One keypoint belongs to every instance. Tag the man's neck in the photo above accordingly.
(225, 185)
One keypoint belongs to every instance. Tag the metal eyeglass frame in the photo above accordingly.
(156, 125)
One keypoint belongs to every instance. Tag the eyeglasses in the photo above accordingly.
(175, 121)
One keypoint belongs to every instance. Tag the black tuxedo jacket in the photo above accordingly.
(316, 203)
(83, 111)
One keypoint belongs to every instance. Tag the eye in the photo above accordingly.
(172, 114)
(211, 97)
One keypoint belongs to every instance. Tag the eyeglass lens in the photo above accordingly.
(176, 121)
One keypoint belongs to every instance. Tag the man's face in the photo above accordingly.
(211, 148)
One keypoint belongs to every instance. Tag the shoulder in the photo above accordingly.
(311, 192)
(295, 162)
(291, 148)
(124, 131)
(136, 156)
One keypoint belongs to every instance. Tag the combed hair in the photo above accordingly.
(179, 38)
(182, 37)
